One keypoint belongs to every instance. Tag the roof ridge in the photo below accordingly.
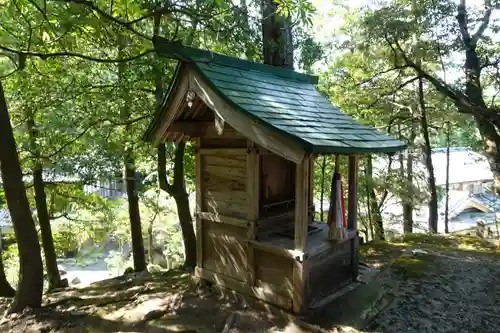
(184, 53)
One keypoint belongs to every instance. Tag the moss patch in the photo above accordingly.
(414, 267)
(448, 243)
(381, 252)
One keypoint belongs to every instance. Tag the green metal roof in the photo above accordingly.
(284, 100)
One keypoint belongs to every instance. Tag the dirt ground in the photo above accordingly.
(434, 284)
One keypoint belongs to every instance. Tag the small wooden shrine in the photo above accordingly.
(257, 130)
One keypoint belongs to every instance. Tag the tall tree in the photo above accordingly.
(480, 52)
(374, 207)
(447, 182)
(138, 252)
(176, 188)
(30, 287)
(422, 113)
(54, 278)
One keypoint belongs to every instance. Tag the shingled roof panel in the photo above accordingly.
(284, 100)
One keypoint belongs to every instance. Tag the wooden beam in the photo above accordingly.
(199, 204)
(212, 217)
(352, 203)
(223, 151)
(174, 106)
(352, 213)
(302, 183)
(191, 128)
(301, 203)
(200, 109)
(252, 186)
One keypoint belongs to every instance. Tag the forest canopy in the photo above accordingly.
(80, 81)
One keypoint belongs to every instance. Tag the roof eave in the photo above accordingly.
(356, 150)
(160, 111)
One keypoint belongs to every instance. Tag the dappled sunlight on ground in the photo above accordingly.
(425, 284)
(142, 302)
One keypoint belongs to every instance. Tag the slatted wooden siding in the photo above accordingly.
(224, 250)
(274, 273)
(224, 177)
(228, 194)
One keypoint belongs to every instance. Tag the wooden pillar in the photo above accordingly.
(310, 208)
(352, 203)
(302, 183)
(301, 203)
(253, 191)
(199, 204)
(352, 213)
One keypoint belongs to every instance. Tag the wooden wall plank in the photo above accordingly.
(236, 197)
(224, 249)
(227, 160)
(259, 293)
(226, 171)
(275, 271)
(225, 183)
(215, 182)
(223, 219)
(226, 208)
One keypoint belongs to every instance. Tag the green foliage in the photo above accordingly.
(2, 197)
(10, 255)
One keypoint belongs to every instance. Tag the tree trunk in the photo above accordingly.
(487, 128)
(433, 204)
(129, 165)
(178, 191)
(276, 36)
(433, 201)
(188, 235)
(322, 195)
(408, 202)
(378, 222)
(178, 187)
(447, 185)
(6, 289)
(54, 278)
(30, 287)
(135, 216)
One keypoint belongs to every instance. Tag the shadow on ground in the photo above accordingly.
(424, 284)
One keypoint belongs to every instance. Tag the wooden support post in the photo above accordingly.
(311, 189)
(253, 183)
(199, 204)
(301, 202)
(352, 203)
(333, 231)
(352, 213)
(302, 183)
